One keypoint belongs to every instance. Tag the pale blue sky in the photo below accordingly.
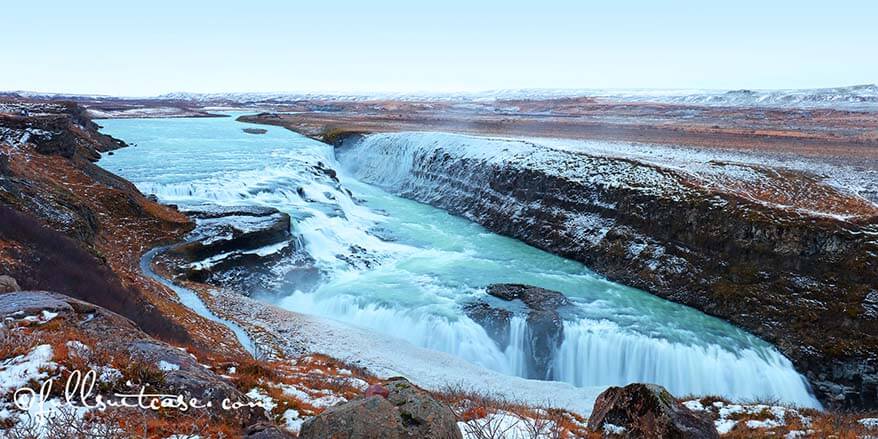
(117, 47)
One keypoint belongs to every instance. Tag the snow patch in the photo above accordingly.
(168, 367)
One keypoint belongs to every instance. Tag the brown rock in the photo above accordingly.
(8, 284)
(376, 390)
(421, 415)
(370, 418)
(646, 411)
(408, 412)
(266, 430)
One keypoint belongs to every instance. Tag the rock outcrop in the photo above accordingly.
(8, 284)
(233, 246)
(646, 411)
(406, 412)
(728, 245)
(545, 329)
(537, 299)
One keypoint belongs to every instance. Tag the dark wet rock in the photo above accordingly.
(534, 297)
(8, 284)
(646, 411)
(327, 171)
(494, 320)
(4, 164)
(545, 332)
(249, 248)
(359, 257)
(545, 328)
(254, 130)
(233, 238)
(406, 412)
(235, 233)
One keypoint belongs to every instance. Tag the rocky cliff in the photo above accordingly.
(776, 252)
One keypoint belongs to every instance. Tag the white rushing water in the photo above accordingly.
(405, 269)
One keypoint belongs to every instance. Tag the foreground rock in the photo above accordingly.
(407, 412)
(8, 284)
(97, 333)
(646, 411)
(545, 329)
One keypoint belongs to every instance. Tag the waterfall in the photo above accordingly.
(451, 170)
(413, 284)
(598, 353)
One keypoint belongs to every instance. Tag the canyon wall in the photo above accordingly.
(804, 280)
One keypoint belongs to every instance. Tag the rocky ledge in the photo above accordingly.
(729, 239)
(236, 247)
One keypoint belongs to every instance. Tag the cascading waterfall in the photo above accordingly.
(405, 269)
(598, 353)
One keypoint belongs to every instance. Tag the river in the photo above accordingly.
(405, 269)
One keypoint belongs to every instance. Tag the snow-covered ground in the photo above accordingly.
(856, 97)
(721, 166)
(388, 356)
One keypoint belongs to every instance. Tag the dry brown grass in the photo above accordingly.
(74, 350)
(476, 408)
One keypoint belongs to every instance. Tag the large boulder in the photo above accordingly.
(372, 417)
(421, 415)
(407, 412)
(35, 302)
(646, 411)
(8, 284)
